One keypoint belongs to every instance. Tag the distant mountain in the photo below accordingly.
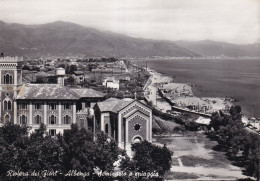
(212, 48)
(67, 38)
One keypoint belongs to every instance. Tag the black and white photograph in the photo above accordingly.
(129, 90)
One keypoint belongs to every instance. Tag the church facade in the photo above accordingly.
(58, 106)
(127, 121)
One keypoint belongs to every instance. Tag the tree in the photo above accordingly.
(71, 80)
(74, 150)
(251, 153)
(62, 65)
(232, 136)
(10, 133)
(82, 153)
(28, 154)
(149, 158)
(41, 79)
(13, 141)
(70, 69)
(52, 79)
(25, 67)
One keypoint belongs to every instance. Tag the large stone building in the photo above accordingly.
(58, 106)
(55, 105)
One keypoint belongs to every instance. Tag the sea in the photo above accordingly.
(237, 78)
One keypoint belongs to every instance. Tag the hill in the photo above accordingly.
(63, 38)
(212, 48)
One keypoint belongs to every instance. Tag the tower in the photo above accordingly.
(10, 80)
(60, 73)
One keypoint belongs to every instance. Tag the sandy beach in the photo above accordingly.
(181, 95)
(151, 93)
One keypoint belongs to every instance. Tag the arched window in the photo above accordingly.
(11, 79)
(23, 119)
(5, 105)
(137, 139)
(8, 79)
(52, 119)
(37, 119)
(67, 119)
(106, 128)
(9, 105)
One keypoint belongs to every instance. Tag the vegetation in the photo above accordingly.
(70, 69)
(240, 145)
(148, 158)
(189, 125)
(75, 150)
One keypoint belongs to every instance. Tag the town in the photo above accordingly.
(128, 102)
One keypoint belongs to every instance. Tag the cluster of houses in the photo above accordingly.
(58, 106)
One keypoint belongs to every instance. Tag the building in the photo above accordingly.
(54, 105)
(111, 82)
(78, 76)
(126, 121)
(10, 82)
(58, 106)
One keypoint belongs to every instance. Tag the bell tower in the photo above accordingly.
(10, 80)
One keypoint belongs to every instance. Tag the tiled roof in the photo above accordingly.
(84, 92)
(46, 91)
(113, 105)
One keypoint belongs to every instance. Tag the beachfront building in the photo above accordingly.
(127, 121)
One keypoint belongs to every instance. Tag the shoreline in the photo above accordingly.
(216, 79)
(182, 95)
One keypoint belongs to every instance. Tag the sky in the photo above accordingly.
(234, 21)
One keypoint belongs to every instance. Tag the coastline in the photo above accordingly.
(237, 79)
(182, 95)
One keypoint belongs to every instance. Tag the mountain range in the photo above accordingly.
(64, 38)
(208, 48)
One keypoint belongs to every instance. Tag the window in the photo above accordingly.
(52, 106)
(67, 119)
(137, 139)
(106, 128)
(38, 106)
(137, 127)
(7, 105)
(23, 106)
(8, 79)
(52, 119)
(6, 118)
(37, 119)
(23, 119)
(52, 132)
(67, 106)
